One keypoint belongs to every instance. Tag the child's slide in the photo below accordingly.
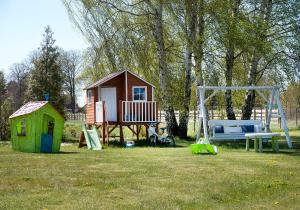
(91, 138)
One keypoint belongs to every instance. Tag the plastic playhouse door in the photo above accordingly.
(46, 143)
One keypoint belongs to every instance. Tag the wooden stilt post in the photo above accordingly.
(137, 132)
(103, 133)
(121, 134)
(146, 127)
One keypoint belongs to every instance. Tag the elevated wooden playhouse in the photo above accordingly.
(120, 99)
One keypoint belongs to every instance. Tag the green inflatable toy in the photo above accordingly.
(204, 148)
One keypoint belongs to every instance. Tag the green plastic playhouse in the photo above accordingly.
(36, 127)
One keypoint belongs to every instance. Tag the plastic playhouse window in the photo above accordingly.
(48, 124)
(139, 93)
(50, 127)
(89, 96)
(21, 128)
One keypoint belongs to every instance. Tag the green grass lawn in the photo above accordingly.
(149, 178)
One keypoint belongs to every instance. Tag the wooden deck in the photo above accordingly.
(131, 114)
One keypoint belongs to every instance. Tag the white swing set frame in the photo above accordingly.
(274, 98)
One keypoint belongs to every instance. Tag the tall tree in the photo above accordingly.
(5, 108)
(198, 45)
(185, 16)
(157, 9)
(18, 83)
(46, 77)
(70, 62)
(262, 23)
(231, 54)
(271, 54)
(3, 91)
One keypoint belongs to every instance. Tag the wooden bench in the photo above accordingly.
(227, 130)
(257, 137)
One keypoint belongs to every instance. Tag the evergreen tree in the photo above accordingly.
(46, 77)
(2, 86)
(5, 109)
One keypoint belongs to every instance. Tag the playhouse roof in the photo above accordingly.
(28, 108)
(113, 75)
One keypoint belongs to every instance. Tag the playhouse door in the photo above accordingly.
(46, 143)
(47, 133)
(109, 95)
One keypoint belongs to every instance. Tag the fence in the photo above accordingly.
(293, 115)
(258, 113)
(75, 116)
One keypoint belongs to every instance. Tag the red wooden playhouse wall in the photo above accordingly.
(120, 83)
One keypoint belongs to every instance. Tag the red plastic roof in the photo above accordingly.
(28, 108)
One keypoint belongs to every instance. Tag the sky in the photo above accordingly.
(22, 24)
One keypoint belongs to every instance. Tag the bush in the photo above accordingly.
(72, 131)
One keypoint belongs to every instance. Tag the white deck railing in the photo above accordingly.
(139, 111)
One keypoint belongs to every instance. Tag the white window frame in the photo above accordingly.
(89, 96)
(145, 87)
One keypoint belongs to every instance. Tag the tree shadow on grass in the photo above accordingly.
(267, 147)
(65, 152)
(139, 143)
(284, 152)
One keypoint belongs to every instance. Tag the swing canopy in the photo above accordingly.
(271, 100)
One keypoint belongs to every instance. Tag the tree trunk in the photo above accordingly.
(228, 77)
(158, 33)
(198, 48)
(73, 96)
(265, 14)
(184, 114)
(1, 123)
(250, 94)
(199, 45)
(191, 14)
(230, 58)
(172, 125)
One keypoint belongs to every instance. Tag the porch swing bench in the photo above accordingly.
(220, 130)
(232, 130)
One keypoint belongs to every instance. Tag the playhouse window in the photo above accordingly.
(89, 96)
(50, 127)
(139, 93)
(21, 128)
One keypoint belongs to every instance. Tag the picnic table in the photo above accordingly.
(258, 138)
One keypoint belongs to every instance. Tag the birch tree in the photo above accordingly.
(70, 62)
